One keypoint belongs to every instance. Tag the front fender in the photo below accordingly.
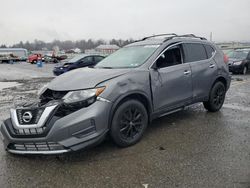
(133, 83)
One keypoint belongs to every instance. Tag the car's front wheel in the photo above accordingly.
(129, 123)
(216, 97)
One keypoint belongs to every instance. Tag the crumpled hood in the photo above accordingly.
(84, 78)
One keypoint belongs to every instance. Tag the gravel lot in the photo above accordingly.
(191, 148)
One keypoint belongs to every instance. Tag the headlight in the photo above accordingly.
(82, 95)
(237, 63)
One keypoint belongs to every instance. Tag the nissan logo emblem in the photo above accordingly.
(27, 116)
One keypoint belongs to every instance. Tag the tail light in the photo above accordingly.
(225, 59)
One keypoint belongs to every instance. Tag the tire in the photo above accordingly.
(216, 97)
(129, 122)
(244, 71)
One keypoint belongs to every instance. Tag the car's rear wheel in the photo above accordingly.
(216, 97)
(244, 71)
(129, 123)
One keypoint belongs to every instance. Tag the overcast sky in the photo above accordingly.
(22, 20)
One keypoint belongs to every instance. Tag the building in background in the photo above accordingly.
(107, 49)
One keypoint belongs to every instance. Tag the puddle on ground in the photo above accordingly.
(4, 85)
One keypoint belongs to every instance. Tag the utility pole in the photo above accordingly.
(211, 36)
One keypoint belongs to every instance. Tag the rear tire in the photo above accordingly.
(216, 97)
(129, 122)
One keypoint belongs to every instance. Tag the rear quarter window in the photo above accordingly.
(210, 51)
(195, 52)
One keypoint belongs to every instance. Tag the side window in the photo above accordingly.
(87, 60)
(210, 51)
(98, 58)
(195, 52)
(170, 57)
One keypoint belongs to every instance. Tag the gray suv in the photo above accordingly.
(120, 96)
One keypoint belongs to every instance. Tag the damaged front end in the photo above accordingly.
(30, 118)
(61, 121)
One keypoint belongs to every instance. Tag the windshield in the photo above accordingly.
(238, 54)
(75, 59)
(128, 57)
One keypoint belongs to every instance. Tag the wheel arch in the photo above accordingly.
(137, 95)
(220, 79)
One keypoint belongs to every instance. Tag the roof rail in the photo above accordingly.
(172, 36)
(187, 35)
(159, 35)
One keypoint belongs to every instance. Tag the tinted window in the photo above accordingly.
(210, 50)
(170, 58)
(195, 52)
(87, 60)
(98, 58)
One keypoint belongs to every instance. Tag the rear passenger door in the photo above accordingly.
(204, 68)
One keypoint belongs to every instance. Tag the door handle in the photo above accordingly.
(186, 72)
(212, 66)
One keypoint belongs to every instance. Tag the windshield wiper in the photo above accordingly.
(105, 67)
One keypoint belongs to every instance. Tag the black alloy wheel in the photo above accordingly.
(216, 98)
(129, 123)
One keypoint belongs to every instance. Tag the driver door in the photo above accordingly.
(171, 80)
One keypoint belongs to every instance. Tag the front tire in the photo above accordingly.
(216, 97)
(129, 122)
